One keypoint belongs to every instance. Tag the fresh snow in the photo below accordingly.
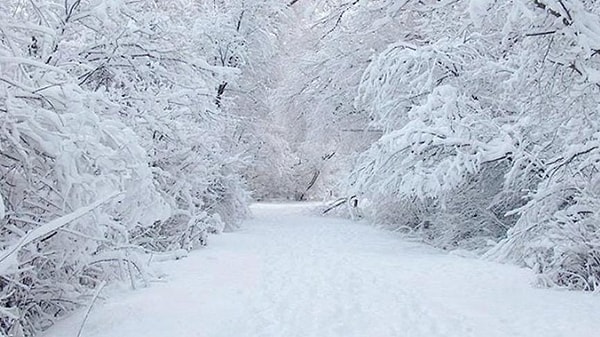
(290, 273)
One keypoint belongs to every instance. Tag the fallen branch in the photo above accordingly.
(335, 204)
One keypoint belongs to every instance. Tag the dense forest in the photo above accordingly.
(134, 129)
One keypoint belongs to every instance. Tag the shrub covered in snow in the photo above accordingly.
(489, 112)
(112, 145)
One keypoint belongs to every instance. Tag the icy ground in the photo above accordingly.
(288, 274)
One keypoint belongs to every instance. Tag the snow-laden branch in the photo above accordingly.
(8, 257)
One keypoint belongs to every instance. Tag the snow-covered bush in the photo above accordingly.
(169, 94)
(557, 229)
(111, 145)
(490, 114)
(59, 156)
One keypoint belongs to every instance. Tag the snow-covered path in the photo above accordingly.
(290, 274)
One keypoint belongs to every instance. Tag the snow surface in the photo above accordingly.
(289, 273)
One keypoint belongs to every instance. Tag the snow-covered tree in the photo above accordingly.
(152, 67)
(556, 233)
(498, 96)
(249, 39)
(325, 55)
(111, 145)
(58, 156)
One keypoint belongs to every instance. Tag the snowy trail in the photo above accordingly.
(290, 274)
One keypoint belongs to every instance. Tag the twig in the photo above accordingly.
(89, 309)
